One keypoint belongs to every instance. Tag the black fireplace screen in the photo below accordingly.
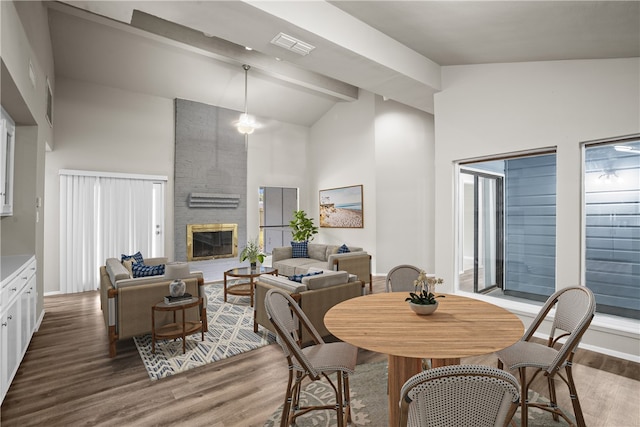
(212, 244)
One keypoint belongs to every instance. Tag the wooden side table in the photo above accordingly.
(246, 288)
(179, 329)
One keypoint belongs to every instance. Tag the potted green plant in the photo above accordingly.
(423, 300)
(302, 228)
(252, 252)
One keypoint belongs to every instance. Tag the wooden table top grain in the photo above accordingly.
(460, 327)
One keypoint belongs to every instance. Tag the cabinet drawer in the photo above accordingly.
(11, 289)
(28, 272)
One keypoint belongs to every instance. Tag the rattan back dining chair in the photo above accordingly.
(459, 395)
(574, 310)
(316, 361)
(400, 278)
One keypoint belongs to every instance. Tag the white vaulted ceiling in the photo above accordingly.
(195, 49)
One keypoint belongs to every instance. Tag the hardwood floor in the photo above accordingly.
(67, 379)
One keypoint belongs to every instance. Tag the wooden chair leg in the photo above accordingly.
(347, 393)
(113, 338)
(339, 401)
(573, 393)
(286, 407)
(524, 398)
(553, 402)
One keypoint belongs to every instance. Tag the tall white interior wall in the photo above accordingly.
(388, 148)
(404, 148)
(342, 154)
(495, 109)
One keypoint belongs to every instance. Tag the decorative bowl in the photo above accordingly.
(423, 309)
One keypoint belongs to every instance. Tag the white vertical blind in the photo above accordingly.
(102, 217)
(77, 237)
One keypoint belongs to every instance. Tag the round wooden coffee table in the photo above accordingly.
(245, 288)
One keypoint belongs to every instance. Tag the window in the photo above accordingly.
(612, 225)
(276, 209)
(508, 226)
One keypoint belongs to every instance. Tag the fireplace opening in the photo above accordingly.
(210, 241)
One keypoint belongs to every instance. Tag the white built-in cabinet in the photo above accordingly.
(7, 150)
(18, 300)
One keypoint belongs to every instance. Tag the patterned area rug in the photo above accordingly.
(369, 402)
(230, 333)
(368, 399)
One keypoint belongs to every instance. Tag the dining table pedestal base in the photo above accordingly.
(400, 369)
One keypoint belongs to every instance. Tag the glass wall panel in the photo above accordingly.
(530, 226)
(507, 227)
(612, 226)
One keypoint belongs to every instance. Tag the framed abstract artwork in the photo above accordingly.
(341, 207)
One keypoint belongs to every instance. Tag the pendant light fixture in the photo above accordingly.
(246, 124)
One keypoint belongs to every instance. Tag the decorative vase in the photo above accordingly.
(254, 265)
(423, 309)
(177, 288)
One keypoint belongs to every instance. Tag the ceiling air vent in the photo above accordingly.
(292, 44)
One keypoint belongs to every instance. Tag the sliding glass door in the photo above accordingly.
(508, 226)
(482, 231)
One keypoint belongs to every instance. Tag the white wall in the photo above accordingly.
(109, 130)
(404, 148)
(342, 154)
(493, 109)
(387, 147)
(25, 39)
(277, 158)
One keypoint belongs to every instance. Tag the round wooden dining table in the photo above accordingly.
(385, 323)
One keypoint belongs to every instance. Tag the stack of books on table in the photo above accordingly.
(177, 300)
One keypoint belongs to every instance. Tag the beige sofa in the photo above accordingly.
(324, 257)
(315, 295)
(126, 302)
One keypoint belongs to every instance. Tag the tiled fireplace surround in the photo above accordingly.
(210, 171)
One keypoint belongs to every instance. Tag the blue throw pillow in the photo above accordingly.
(343, 249)
(299, 249)
(141, 270)
(298, 277)
(137, 256)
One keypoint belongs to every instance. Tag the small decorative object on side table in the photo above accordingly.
(423, 300)
(182, 328)
(177, 288)
(247, 288)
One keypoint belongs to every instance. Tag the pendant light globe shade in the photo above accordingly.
(246, 124)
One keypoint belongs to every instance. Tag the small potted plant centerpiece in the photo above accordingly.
(423, 300)
(253, 253)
